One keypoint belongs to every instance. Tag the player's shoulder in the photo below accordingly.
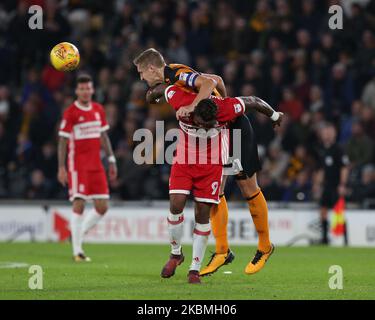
(70, 109)
(97, 106)
(174, 70)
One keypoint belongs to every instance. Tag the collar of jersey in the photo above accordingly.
(81, 107)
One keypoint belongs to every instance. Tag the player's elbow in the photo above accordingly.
(219, 80)
(210, 83)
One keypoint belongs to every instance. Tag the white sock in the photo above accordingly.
(76, 231)
(90, 220)
(175, 229)
(200, 239)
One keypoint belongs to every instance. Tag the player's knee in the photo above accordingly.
(78, 207)
(101, 208)
(176, 207)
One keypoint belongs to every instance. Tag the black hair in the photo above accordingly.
(206, 109)
(84, 78)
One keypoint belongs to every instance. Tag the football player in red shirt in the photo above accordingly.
(204, 180)
(153, 69)
(83, 130)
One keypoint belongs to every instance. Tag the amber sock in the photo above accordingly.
(219, 223)
(259, 213)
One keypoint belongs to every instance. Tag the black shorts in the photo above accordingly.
(248, 160)
(329, 197)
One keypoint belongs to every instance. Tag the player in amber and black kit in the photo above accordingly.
(334, 174)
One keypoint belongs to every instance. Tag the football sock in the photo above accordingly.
(90, 220)
(200, 238)
(219, 223)
(175, 229)
(76, 232)
(259, 213)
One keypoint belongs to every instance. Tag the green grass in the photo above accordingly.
(132, 272)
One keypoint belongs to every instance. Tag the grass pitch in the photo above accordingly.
(133, 272)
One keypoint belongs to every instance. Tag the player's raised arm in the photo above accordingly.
(263, 107)
(62, 174)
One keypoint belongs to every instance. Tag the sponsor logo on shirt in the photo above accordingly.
(87, 130)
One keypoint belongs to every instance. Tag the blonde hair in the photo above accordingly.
(150, 57)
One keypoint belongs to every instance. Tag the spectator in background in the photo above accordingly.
(300, 189)
(302, 87)
(291, 105)
(367, 116)
(359, 147)
(276, 162)
(38, 188)
(176, 50)
(368, 94)
(297, 163)
(365, 189)
(316, 99)
(340, 91)
(274, 95)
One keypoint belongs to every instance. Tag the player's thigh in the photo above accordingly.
(222, 185)
(244, 155)
(202, 212)
(97, 185)
(207, 182)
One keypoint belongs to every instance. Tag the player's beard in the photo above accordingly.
(85, 102)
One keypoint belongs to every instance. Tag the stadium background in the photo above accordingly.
(282, 51)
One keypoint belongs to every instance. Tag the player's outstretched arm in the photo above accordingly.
(62, 175)
(106, 142)
(263, 107)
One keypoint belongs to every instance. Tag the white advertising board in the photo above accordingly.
(148, 225)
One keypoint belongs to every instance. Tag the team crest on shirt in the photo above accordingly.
(81, 188)
(97, 116)
(171, 94)
(81, 118)
(237, 108)
(183, 76)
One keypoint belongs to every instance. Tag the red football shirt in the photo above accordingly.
(83, 126)
(216, 151)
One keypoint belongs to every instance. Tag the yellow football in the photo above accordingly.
(64, 56)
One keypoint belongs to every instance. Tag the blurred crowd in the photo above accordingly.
(282, 51)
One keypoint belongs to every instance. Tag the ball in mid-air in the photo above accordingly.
(64, 56)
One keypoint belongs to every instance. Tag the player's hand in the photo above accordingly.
(62, 176)
(277, 122)
(112, 172)
(184, 112)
